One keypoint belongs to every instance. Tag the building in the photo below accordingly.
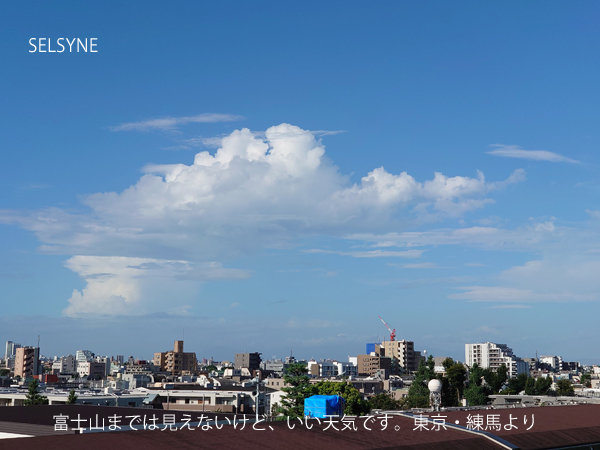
(65, 365)
(176, 362)
(11, 349)
(331, 368)
(551, 362)
(491, 356)
(27, 362)
(567, 366)
(84, 355)
(403, 355)
(370, 366)
(250, 361)
(534, 363)
(92, 370)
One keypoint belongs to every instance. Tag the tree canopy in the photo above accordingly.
(299, 388)
(72, 397)
(564, 387)
(418, 393)
(33, 396)
(355, 404)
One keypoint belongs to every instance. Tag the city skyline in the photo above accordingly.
(274, 179)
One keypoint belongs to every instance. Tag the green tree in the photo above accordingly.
(564, 387)
(33, 396)
(586, 380)
(355, 404)
(418, 393)
(4, 372)
(543, 386)
(299, 388)
(72, 397)
(211, 368)
(385, 402)
(500, 378)
(530, 386)
(456, 375)
(476, 393)
(517, 384)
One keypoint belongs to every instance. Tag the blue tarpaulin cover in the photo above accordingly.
(322, 406)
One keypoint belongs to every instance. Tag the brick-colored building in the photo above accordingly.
(27, 362)
(404, 354)
(176, 361)
(368, 365)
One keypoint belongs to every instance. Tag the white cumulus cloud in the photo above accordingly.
(257, 190)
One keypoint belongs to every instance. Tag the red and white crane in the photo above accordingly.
(392, 332)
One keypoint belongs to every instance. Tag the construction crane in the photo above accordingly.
(392, 332)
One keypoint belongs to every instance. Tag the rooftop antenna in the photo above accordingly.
(38, 341)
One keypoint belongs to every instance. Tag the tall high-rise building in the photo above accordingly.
(27, 362)
(491, 356)
(403, 354)
(11, 349)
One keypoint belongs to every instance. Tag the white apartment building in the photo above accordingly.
(84, 356)
(331, 368)
(491, 356)
(555, 362)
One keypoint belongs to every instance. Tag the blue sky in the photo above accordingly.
(433, 163)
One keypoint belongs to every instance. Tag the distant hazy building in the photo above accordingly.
(491, 356)
(92, 370)
(331, 368)
(570, 366)
(27, 362)
(176, 361)
(250, 361)
(534, 363)
(84, 356)
(65, 365)
(11, 349)
(275, 365)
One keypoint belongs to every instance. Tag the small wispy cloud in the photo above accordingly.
(593, 214)
(475, 265)
(514, 151)
(172, 123)
(425, 265)
(486, 329)
(34, 187)
(510, 306)
(327, 132)
(371, 253)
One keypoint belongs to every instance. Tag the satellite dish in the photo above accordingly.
(435, 385)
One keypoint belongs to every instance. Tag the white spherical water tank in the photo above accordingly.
(435, 385)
